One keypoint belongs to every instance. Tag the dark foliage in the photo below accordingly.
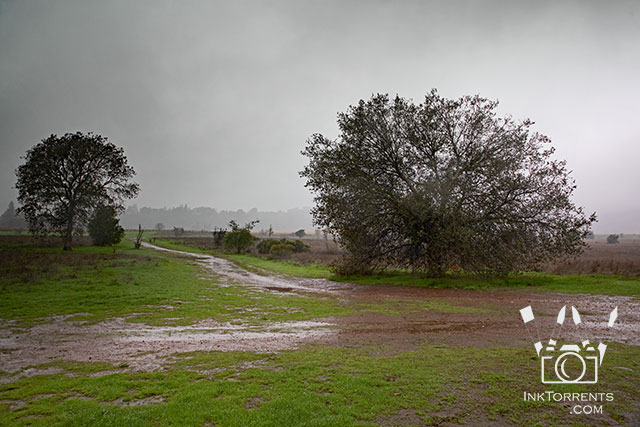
(441, 184)
(239, 239)
(265, 246)
(104, 227)
(65, 177)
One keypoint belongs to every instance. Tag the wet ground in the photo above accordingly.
(450, 317)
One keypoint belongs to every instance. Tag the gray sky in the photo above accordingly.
(213, 101)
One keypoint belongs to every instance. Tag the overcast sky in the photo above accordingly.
(213, 101)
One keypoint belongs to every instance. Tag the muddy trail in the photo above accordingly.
(401, 319)
(231, 274)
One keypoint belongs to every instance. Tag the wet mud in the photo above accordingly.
(478, 318)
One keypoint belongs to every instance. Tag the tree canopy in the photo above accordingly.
(440, 185)
(64, 178)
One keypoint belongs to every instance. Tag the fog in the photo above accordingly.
(213, 101)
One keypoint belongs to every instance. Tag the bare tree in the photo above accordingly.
(138, 241)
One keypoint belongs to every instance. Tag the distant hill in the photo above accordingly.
(204, 218)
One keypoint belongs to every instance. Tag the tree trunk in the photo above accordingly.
(68, 236)
(435, 273)
(436, 269)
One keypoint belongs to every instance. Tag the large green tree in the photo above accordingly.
(442, 184)
(64, 178)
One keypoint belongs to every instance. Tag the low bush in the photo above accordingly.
(238, 241)
(280, 251)
(265, 246)
(104, 227)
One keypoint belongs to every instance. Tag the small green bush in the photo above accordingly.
(298, 246)
(264, 247)
(281, 251)
(104, 227)
(238, 241)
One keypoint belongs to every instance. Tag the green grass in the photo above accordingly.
(315, 386)
(93, 283)
(606, 284)
(589, 284)
(176, 246)
(256, 264)
(315, 271)
(143, 285)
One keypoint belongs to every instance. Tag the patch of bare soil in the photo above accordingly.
(404, 417)
(501, 324)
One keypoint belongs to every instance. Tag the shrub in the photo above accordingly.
(238, 241)
(613, 238)
(281, 251)
(298, 246)
(104, 227)
(265, 246)
(218, 236)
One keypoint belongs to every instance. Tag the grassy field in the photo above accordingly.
(312, 386)
(606, 284)
(317, 384)
(40, 282)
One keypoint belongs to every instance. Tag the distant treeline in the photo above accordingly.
(11, 220)
(204, 218)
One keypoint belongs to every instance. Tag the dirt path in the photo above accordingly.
(451, 317)
(230, 273)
